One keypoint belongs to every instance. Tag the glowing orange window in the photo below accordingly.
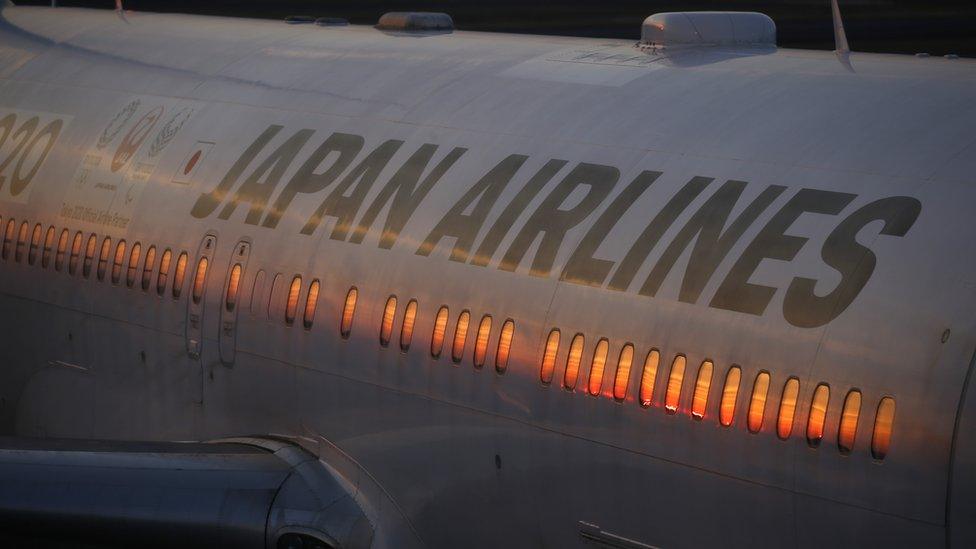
(757, 404)
(22, 241)
(439, 333)
(622, 378)
(481, 342)
(179, 276)
(89, 256)
(598, 366)
(164, 265)
(883, 422)
(460, 336)
(504, 346)
(291, 304)
(848, 422)
(549, 357)
(103, 257)
(787, 408)
(573, 360)
(130, 272)
(409, 322)
(386, 325)
(311, 303)
(672, 398)
(730, 393)
(35, 244)
(233, 287)
(75, 253)
(699, 401)
(147, 268)
(48, 247)
(62, 250)
(118, 262)
(348, 313)
(818, 415)
(648, 377)
(200, 279)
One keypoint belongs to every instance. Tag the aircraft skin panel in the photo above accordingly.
(768, 210)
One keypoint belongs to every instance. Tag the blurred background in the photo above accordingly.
(937, 27)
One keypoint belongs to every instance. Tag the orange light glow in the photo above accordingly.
(648, 376)
(883, 423)
(848, 422)
(348, 312)
(818, 415)
(440, 332)
(180, 275)
(504, 346)
(103, 257)
(62, 250)
(460, 336)
(549, 357)
(311, 303)
(200, 279)
(22, 241)
(48, 247)
(134, 256)
(233, 286)
(291, 304)
(573, 361)
(35, 244)
(730, 393)
(164, 263)
(389, 315)
(75, 253)
(787, 408)
(409, 321)
(598, 366)
(673, 396)
(622, 379)
(118, 261)
(89, 255)
(147, 268)
(757, 404)
(699, 401)
(481, 342)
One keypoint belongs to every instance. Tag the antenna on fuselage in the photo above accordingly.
(840, 37)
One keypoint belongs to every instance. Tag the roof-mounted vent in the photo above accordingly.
(415, 21)
(711, 28)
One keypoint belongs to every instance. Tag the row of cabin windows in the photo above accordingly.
(119, 263)
(757, 400)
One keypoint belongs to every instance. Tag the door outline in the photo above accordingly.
(227, 337)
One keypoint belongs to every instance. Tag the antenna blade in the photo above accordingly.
(840, 37)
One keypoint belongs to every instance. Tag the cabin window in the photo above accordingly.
(311, 303)
(409, 322)
(118, 262)
(787, 408)
(35, 244)
(147, 268)
(48, 247)
(233, 287)
(549, 357)
(481, 342)
(648, 377)
(291, 303)
(621, 380)
(86, 269)
(8, 237)
(75, 253)
(573, 360)
(699, 400)
(504, 346)
(460, 336)
(730, 393)
(103, 257)
(818, 415)
(164, 264)
(598, 366)
(179, 276)
(62, 250)
(22, 242)
(389, 315)
(200, 279)
(440, 332)
(883, 422)
(848, 421)
(672, 398)
(348, 312)
(757, 404)
(133, 269)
